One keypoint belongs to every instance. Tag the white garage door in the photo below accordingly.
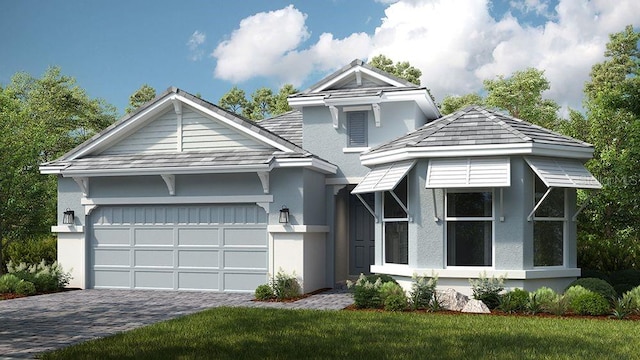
(192, 247)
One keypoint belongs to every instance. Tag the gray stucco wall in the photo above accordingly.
(322, 139)
(429, 234)
(286, 186)
(314, 198)
(69, 196)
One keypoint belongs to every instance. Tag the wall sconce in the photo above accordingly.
(284, 215)
(68, 217)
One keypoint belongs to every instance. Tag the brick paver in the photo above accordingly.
(41, 323)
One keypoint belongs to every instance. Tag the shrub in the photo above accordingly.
(621, 289)
(384, 278)
(590, 303)
(366, 294)
(596, 285)
(45, 277)
(264, 292)
(25, 288)
(8, 283)
(622, 307)
(393, 296)
(514, 301)
(487, 289)
(285, 286)
(423, 291)
(540, 299)
(31, 251)
(573, 292)
(634, 295)
(625, 280)
(558, 306)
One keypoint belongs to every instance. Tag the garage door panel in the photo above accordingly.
(114, 236)
(155, 237)
(242, 259)
(245, 237)
(111, 257)
(198, 237)
(199, 281)
(243, 281)
(153, 279)
(156, 258)
(179, 247)
(198, 259)
(112, 278)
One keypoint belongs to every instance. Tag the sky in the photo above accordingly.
(208, 46)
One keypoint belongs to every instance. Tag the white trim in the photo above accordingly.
(264, 180)
(334, 116)
(156, 200)
(376, 114)
(313, 163)
(298, 229)
(476, 172)
(470, 273)
(536, 206)
(361, 149)
(355, 70)
(356, 108)
(343, 180)
(170, 181)
(182, 170)
(369, 209)
(377, 158)
(67, 229)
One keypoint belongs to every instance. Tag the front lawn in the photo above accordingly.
(245, 333)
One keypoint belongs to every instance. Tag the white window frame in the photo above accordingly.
(386, 220)
(448, 218)
(564, 220)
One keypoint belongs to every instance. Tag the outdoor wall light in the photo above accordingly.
(68, 217)
(284, 215)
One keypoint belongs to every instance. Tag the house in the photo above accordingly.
(365, 175)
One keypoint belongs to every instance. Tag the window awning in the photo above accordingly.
(469, 173)
(383, 178)
(563, 173)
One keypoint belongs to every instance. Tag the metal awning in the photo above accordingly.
(563, 173)
(383, 178)
(469, 173)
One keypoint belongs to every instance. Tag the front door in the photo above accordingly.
(361, 235)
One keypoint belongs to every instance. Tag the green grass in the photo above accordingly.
(242, 333)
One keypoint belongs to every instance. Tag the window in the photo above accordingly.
(469, 223)
(356, 129)
(396, 226)
(548, 226)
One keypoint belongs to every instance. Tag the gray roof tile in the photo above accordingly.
(287, 125)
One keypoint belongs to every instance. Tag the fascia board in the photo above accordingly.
(421, 97)
(305, 101)
(474, 150)
(186, 170)
(356, 100)
(51, 169)
(315, 164)
(234, 125)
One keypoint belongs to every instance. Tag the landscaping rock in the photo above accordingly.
(452, 300)
(476, 307)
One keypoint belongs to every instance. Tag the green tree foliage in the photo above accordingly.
(263, 104)
(144, 94)
(401, 69)
(40, 119)
(521, 96)
(609, 228)
(451, 104)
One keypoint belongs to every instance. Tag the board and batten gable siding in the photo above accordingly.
(160, 135)
(198, 133)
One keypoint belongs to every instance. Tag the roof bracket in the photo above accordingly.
(334, 115)
(358, 77)
(435, 207)
(376, 114)
(402, 205)
(366, 205)
(530, 217)
(264, 179)
(501, 204)
(170, 180)
(83, 183)
(574, 218)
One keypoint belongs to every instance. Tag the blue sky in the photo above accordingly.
(113, 47)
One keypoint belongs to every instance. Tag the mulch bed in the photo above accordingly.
(9, 296)
(295, 298)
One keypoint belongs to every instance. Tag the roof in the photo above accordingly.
(287, 126)
(86, 157)
(476, 128)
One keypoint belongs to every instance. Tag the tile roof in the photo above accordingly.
(476, 125)
(357, 92)
(287, 125)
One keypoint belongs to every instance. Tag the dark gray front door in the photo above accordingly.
(361, 235)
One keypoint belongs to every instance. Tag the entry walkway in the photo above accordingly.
(32, 325)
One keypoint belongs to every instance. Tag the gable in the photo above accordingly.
(188, 131)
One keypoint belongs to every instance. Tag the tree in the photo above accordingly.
(260, 105)
(521, 96)
(280, 103)
(609, 228)
(40, 120)
(234, 100)
(401, 69)
(451, 104)
(263, 102)
(144, 94)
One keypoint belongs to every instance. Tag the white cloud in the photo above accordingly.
(194, 44)
(456, 43)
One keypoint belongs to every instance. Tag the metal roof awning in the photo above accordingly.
(383, 178)
(469, 173)
(563, 173)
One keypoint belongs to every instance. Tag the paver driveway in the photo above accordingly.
(40, 323)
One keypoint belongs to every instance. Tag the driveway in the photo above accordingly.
(41, 323)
